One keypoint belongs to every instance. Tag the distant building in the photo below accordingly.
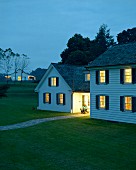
(17, 77)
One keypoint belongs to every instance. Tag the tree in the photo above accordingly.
(76, 51)
(7, 57)
(16, 64)
(103, 40)
(80, 50)
(127, 36)
(24, 62)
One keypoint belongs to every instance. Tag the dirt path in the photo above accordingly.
(37, 121)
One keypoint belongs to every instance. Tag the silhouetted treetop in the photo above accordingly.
(127, 36)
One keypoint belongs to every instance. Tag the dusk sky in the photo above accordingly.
(41, 28)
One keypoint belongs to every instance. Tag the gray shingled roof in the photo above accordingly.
(117, 55)
(74, 76)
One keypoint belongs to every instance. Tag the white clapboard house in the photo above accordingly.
(20, 76)
(113, 84)
(64, 88)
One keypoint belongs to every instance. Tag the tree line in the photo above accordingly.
(81, 51)
(12, 62)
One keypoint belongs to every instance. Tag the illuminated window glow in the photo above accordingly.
(87, 77)
(128, 103)
(61, 98)
(47, 98)
(7, 77)
(19, 78)
(53, 81)
(128, 75)
(102, 102)
(102, 76)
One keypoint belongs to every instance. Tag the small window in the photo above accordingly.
(19, 78)
(47, 98)
(102, 76)
(128, 75)
(128, 103)
(87, 77)
(61, 98)
(53, 81)
(102, 102)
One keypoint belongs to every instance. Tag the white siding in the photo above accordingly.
(62, 88)
(114, 90)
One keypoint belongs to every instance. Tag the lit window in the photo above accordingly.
(102, 76)
(47, 98)
(128, 103)
(102, 102)
(87, 77)
(128, 75)
(7, 77)
(61, 98)
(53, 81)
(19, 78)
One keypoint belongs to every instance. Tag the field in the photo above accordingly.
(20, 105)
(71, 144)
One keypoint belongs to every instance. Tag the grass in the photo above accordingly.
(72, 144)
(19, 103)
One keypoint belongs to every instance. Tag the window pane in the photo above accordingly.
(47, 97)
(87, 77)
(53, 81)
(102, 76)
(128, 103)
(60, 98)
(102, 101)
(128, 76)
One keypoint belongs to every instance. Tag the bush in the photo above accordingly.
(3, 90)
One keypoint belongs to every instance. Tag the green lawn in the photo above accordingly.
(19, 103)
(72, 144)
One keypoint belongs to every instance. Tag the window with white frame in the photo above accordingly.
(102, 76)
(128, 103)
(47, 98)
(128, 75)
(53, 81)
(60, 98)
(102, 102)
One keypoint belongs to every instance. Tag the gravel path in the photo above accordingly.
(37, 121)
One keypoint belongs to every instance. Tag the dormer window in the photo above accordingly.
(53, 81)
(87, 77)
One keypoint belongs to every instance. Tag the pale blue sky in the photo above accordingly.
(41, 28)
